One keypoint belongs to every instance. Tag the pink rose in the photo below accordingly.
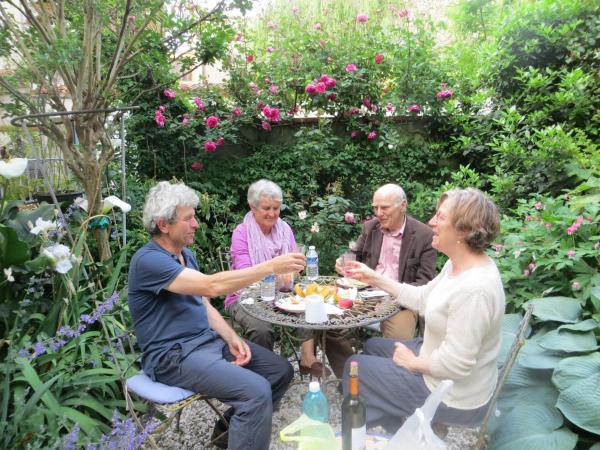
(161, 108)
(354, 134)
(374, 108)
(197, 166)
(446, 93)
(249, 58)
(414, 108)
(210, 146)
(220, 141)
(571, 253)
(260, 106)
(349, 217)
(372, 135)
(236, 112)
(362, 18)
(331, 83)
(378, 58)
(159, 118)
(169, 93)
(266, 126)
(538, 205)
(212, 121)
(321, 87)
(199, 104)
(390, 108)
(310, 89)
(354, 110)
(317, 26)
(350, 68)
(273, 89)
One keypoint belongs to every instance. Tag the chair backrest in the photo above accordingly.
(224, 258)
(502, 377)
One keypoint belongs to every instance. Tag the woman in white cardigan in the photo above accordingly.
(463, 308)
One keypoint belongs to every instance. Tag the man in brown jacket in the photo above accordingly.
(398, 246)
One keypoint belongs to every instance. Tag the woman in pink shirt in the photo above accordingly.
(262, 236)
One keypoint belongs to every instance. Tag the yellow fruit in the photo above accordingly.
(324, 291)
(298, 290)
(311, 289)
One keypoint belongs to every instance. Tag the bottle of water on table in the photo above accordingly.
(267, 288)
(312, 264)
(315, 404)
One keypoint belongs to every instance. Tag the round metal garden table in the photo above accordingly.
(364, 312)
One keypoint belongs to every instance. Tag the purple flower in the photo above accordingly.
(23, 353)
(39, 349)
(354, 134)
(70, 440)
(86, 318)
(372, 135)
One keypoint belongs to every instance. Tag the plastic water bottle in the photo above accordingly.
(312, 264)
(267, 288)
(315, 404)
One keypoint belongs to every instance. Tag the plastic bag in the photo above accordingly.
(416, 432)
(310, 434)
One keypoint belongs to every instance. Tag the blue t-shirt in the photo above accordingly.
(162, 319)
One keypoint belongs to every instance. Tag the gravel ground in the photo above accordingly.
(197, 421)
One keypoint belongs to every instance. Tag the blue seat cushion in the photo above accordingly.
(154, 391)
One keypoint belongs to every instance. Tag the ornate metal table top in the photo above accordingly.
(365, 313)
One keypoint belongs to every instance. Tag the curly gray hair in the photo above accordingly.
(162, 202)
(263, 188)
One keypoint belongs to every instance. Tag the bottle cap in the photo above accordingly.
(311, 247)
(314, 386)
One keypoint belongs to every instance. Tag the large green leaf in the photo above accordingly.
(520, 376)
(596, 446)
(512, 397)
(577, 378)
(569, 341)
(558, 309)
(584, 325)
(533, 356)
(13, 251)
(20, 223)
(532, 427)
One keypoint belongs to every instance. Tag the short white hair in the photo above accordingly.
(263, 188)
(393, 189)
(162, 202)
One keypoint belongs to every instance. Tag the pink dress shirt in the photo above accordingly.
(389, 258)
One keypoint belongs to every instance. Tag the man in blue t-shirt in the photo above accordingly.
(185, 341)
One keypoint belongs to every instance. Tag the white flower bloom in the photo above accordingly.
(42, 226)
(314, 228)
(112, 201)
(81, 203)
(8, 275)
(302, 215)
(61, 255)
(390, 146)
(13, 167)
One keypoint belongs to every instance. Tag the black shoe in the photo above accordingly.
(220, 435)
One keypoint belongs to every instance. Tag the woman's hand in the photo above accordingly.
(361, 272)
(404, 357)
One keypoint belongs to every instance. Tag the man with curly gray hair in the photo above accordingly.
(185, 341)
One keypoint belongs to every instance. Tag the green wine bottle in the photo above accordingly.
(354, 416)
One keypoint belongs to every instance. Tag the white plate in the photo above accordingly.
(350, 283)
(286, 304)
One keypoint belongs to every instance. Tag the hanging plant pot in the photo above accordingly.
(60, 196)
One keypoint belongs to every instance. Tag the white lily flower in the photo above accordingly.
(42, 226)
(112, 201)
(61, 255)
(13, 167)
(81, 203)
(8, 275)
